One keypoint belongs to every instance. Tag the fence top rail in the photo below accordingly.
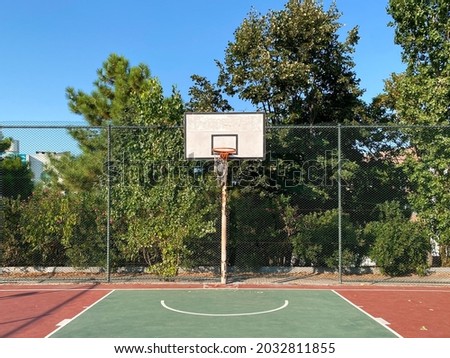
(269, 127)
(357, 126)
(75, 126)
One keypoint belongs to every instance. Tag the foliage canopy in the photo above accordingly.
(292, 65)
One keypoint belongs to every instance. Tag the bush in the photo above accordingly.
(54, 229)
(87, 244)
(159, 221)
(400, 246)
(46, 224)
(256, 230)
(13, 250)
(316, 243)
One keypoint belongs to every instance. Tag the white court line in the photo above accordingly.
(380, 321)
(79, 314)
(399, 289)
(64, 322)
(286, 303)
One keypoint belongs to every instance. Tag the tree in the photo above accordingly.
(109, 102)
(291, 64)
(421, 95)
(110, 99)
(400, 246)
(16, 178)
(378, 176)
(206, 97)
(422, 29)
(252, 245)
(47, 227)
(156, 208)
(315, 240)
(14, 250)
(5, 143)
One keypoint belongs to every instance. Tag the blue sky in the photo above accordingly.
(48, 45)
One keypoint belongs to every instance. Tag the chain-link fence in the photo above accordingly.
(328, 204)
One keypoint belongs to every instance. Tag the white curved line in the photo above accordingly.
(286, 302)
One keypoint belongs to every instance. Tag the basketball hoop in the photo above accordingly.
(224, 152)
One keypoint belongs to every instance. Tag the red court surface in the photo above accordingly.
(411, 312)
(34, 311)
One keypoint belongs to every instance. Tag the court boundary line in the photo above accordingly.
(367, 314)
(68, 320)
(276, 288)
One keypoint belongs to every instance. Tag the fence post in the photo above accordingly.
(108, 204)
(339, 203)
(2, 213)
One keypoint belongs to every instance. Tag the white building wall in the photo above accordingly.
(37, 165)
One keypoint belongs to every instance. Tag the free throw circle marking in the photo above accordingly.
(286, 303)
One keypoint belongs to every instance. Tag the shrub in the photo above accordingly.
(316, 241)
(46, 225)
(55, 229)
(13, 250)
(256, 230)
(400, 245)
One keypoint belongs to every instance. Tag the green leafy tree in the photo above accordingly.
(422, 29)
(421, 95)
(47, 227)
(156, 206)
(5, 143)
(107, 103)
(63, 229)
(14, 251)
(16, 178)
(378, 175)
(315, 239)
(291, 64)
(206, 97)
(253, 245)
(159, 206)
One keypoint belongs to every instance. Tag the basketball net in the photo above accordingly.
(221, 163)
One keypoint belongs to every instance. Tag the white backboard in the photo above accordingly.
(244, 132)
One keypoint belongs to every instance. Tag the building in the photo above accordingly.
(39, 162)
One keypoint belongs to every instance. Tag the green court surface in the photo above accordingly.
(223, 313)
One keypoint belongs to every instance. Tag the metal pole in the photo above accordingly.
(224, 223)
(108, 204)
(223, 241)
(2, 213)
(339, 203)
